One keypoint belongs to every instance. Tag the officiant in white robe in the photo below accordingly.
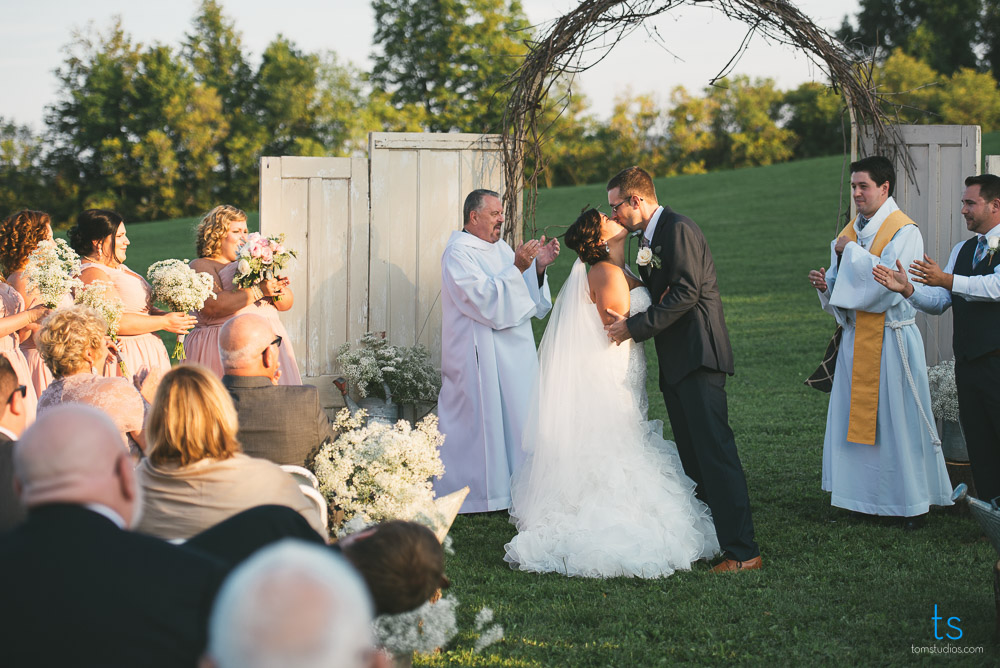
(489, 293)
(881, 451)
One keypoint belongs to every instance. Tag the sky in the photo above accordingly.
(693, 45)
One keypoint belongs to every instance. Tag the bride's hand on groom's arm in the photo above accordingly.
(617, 330)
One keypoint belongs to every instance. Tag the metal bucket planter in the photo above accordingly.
(378, 410)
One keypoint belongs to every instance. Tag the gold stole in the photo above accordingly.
(868, 332)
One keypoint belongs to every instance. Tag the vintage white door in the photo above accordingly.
(418, 186)
(942, 157)
(321, 205)
(370, 240)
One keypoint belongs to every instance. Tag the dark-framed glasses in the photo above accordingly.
(23, 389)
(614, 207)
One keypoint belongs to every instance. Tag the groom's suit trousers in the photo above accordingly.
(699, 416)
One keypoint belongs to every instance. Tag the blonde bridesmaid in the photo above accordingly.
(217, 238)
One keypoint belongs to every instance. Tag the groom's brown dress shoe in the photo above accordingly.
(731, 565)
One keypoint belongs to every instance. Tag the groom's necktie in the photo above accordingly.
(981, 247)
(643, 241)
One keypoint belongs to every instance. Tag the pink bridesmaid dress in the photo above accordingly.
(11, 302)
(41, 377)
(143, 354)
(201, 345)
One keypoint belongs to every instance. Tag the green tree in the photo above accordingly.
(816, 114)
(745, 124)
(214, 50)
(692, 139)
(22, 179)
(971, 98)
(911, 87)
(574, 152)
(449, 56)
(945, 35)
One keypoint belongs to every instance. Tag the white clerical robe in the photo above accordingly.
(904, 472)
(488, 366)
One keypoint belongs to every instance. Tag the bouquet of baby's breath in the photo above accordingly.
(430, 627)
(259, 258)
(180, 288)
(102, 296)
(944, 394)
(374, 365)
(52, 269)
(381, 472)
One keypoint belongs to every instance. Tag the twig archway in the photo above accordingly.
(561, 48)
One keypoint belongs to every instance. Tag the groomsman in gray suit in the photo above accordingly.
(283, 423)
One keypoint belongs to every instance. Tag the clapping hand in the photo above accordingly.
(928, 272)
(818, 279)
(894, 280)
(526, 254)
(547, 253)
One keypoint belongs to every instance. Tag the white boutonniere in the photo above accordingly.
(646, 258)
(992, 243)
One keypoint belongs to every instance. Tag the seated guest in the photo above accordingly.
(283, 423)
(195, 475)
(12, 422)
(402, 564)
(293, 605)
(78, 588)
(72, 344)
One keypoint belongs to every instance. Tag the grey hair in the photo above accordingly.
(240, 357)
(295, 605)
(474, 202)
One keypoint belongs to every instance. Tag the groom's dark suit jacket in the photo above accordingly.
(687, 322)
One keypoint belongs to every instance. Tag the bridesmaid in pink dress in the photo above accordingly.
(20, 234)
(13, 319)
(99, 237)
(217, 238)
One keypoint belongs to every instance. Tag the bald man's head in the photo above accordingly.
(73, 454)
(245, 346)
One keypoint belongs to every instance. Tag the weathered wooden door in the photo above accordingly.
(418, 186)
(942, 157)
(321, 205)
(370, 234)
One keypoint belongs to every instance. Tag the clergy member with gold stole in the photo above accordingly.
(881, 452)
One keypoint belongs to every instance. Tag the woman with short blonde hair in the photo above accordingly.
(196, 475)
(218, 237)
(72, 344)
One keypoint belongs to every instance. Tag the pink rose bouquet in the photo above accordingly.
(260, 258)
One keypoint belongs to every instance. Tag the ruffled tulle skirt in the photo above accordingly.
(614, 509)
(41, 377)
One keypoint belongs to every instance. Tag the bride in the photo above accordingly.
(601, 493)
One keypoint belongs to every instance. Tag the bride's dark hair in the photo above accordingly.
(584, 236)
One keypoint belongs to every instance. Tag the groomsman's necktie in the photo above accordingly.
(862, 221)
(981, 247)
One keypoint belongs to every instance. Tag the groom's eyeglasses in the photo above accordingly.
(614, 207)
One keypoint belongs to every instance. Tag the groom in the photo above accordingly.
(694, 355)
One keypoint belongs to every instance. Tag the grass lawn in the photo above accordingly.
(835, 589)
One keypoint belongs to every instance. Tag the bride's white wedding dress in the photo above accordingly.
(601, 493)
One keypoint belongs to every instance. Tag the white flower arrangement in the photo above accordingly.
(992, 243)
(52, 269)
(259, 258)
(645, 258)
(423, 630)
(180, 288)
(381, 472)
(102, 296)
(375, 365)
(944, 393)
(430, 627)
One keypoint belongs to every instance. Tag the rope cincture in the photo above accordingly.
(897, 326)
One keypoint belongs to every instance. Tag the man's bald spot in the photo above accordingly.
(243, 338)
(67, 455)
